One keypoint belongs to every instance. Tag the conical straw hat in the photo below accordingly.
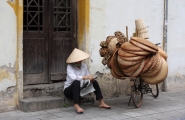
(144, 35)
(159, 77)
(77, 55)
(145, 42)
(162, 53)
(112, 45)
(145, 30)
(129, 71)
(143, 46)
(154, 71)
(140, 24)
(114, 65)
(132, 58)
(130, 47)
(123, 53)
(124, 64)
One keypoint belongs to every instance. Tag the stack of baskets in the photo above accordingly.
(136, 57)
(141, 29)
(140, 57)
(111, 44)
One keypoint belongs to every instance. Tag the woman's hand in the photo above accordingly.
(90, 77)
(85, 77)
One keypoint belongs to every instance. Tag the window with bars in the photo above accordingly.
(62, 15)
(33, 15)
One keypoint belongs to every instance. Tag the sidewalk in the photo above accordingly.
(168, 106)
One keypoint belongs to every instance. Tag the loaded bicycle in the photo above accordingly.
(138, 59)
(138, 88)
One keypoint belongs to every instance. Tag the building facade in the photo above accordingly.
(36, 37)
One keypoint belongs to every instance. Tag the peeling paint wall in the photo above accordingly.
(176, 44)
(107, 17)
(9, 11)
(97, 19)
(7, 78)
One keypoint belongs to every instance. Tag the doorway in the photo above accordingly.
(49, 36)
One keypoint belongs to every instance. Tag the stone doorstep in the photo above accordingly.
(40, 103)
(55, 89)
(47, 96)
(49, 102)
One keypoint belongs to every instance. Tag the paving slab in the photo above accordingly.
(168, 106)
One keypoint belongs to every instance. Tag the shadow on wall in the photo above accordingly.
(175, 82)
(112, 87)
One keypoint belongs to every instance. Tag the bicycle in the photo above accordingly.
(138, 88)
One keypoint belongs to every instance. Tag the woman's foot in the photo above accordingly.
(78, 109)
(103, 105)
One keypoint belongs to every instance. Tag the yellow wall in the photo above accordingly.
(83, 23)
(17, 6)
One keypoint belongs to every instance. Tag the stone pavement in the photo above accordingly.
(168, 106)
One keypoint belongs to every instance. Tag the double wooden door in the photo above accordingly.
(49, 36)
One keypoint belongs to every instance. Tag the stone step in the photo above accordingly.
(40, 103)
(55, 89)
(49, 102)
(47, 96)
(83, 100)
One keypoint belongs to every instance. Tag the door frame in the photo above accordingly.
(31, 76)
(61, 76)
(83, 22)
(48, 31)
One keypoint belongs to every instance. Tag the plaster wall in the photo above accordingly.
(109, 16)
(8, 35)
(102, 19)
(176, 44)
(8, 56)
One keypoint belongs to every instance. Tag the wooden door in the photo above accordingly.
(49, 36)
(62, 38)
(35, 41)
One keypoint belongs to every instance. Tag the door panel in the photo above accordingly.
(49, 37)
(63, 36)
(35, 42)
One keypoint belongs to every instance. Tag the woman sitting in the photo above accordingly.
(77, 72)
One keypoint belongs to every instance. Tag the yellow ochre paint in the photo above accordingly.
(14, 5)
(83, 19)
(3, 74)
(13, 102)
(17, 6)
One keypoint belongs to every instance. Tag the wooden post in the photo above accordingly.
(127, 32)
(136, 33)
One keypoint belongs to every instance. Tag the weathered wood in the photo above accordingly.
(58, 76)
(33, 78)
(49, 37)
(35, 42)
(62, 38)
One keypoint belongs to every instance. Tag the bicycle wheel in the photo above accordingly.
(137, 96)
(155, 91)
